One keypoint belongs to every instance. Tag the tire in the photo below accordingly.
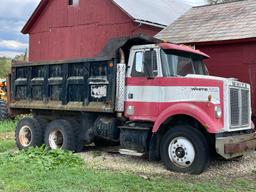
(42, 121)
(3, 110)
(99, 142)
(80, 143)
(28, 133)
(185, 149)
(60, 134)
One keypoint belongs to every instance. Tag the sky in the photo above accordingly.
(196, 2)
(13, 16)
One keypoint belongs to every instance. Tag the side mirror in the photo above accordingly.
(148, 64)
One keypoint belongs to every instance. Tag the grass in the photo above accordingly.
(39, 170)
(42, 170)
(7, 126)
(6, 145)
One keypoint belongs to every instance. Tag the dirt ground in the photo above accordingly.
(110, 159)
(5, 136)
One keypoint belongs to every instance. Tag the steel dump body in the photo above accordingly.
(81, 85)
(86, 85)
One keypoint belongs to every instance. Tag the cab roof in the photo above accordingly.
(182, 48)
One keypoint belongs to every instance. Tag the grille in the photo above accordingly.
(234, 104)
(239, 107)
(245, 107)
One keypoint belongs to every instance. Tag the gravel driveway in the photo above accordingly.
(109, 158)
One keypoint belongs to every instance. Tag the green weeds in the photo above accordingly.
(6, 145)
(7, 126)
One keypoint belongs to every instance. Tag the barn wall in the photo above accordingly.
(233, 60)
(67, 32)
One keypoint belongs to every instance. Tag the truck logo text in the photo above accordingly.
(199, 89)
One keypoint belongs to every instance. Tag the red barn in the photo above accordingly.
(227, 32)
(69, 29)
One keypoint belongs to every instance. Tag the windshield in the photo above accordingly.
(174, 64)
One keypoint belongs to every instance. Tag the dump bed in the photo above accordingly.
(80, 85)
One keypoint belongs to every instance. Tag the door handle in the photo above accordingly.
(130, 95)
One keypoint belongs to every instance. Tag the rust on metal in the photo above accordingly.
(57, 105)
(236, 145)
(240, 147)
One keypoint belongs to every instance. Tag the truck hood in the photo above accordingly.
(227, 81)
(208, 77)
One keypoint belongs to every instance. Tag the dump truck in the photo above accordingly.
(151, 97)
(3, 100)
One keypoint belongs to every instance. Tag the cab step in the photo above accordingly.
(141, 128)
(130, 152)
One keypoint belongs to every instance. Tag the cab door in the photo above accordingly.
(142, 87)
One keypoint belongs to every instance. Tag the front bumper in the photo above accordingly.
(236, 145)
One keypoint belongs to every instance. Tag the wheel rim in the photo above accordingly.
(181, 152)
(56, 139)
(25, 136)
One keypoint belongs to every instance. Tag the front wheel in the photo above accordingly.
(185, 149)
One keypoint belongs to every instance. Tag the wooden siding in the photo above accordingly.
(67, 32)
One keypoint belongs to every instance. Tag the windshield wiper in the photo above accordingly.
(173, 75)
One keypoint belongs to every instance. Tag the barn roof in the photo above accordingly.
(158, 13)
(227, 21)
(42, 5)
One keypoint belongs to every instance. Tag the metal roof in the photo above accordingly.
(227, 21)
(154, 12)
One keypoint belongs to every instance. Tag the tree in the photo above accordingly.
(221, 1)
(20, 57)
(5, 66)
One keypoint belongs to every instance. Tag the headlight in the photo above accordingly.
(218, 112)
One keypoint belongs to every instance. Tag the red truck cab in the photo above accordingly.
(169, 85)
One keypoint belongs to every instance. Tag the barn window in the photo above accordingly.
(73, 2)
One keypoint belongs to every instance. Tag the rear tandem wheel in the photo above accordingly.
(28, 133)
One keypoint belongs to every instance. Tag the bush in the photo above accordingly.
(41, 159)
